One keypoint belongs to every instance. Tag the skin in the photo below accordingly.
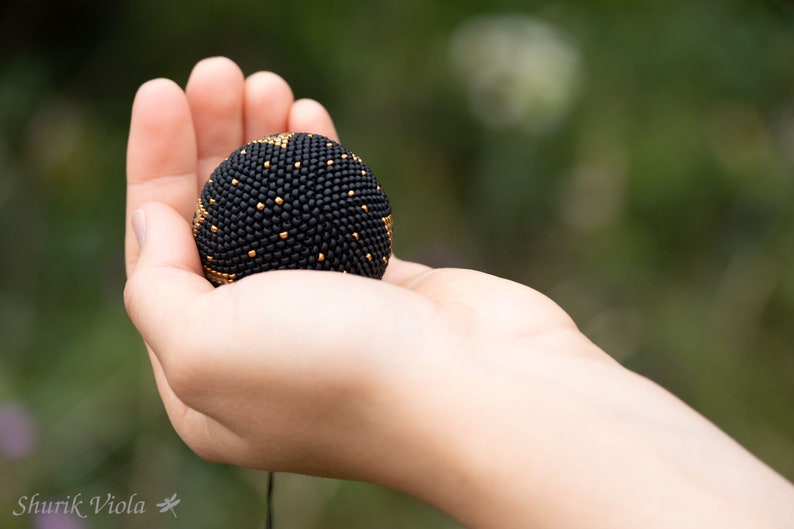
(473, 393)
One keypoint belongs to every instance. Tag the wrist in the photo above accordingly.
(446, 434)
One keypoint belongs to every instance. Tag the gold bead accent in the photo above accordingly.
(214, 229)
(243, 152)
(344, 156)
(329, 163)
(260, 206)
(209, 258)
(279, 140)
(199, 216)
(212, 202)
(279, 200)
(284, 234)
(385, 260)
(321, 258)
(365, 208)
(377, 188)
(351, 193)
(297, 165)
(388, 223)
(329, 144)
(363, 172)
(267, 164)
(235, 181)
(369, 257)
(252, 254)
(355, 236)
(217, 277)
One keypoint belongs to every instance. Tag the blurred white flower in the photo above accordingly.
(518, 71)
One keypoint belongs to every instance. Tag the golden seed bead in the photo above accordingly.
(209, 258)
(214, 229)
(212, 201)
(267, 164)
(329, 163)
(279, 200)
(252, 254)
(235, 181)
(351, 193)
(321, 257)
(365, 208)
(344, 156)
(260, 206)
(297, 165)
(369, 257)
(283, 234)
(243, 152)
(355, 235)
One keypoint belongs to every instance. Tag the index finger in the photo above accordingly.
(161, 155)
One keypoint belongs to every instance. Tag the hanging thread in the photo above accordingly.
(269, 501)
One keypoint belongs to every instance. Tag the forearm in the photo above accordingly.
(604, 449)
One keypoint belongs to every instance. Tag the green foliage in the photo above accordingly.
(656, 209)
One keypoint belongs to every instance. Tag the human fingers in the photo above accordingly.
(215, 91)
(307, 115)
(167, 278)
(161, 154)
(268, 100)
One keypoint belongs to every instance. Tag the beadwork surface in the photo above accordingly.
(292, 201)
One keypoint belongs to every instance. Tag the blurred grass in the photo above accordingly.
(657, 211)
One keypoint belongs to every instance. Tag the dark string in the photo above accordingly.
(269, 501)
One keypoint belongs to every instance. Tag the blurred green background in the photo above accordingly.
(632, 160)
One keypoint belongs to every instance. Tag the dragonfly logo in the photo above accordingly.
(168, 504)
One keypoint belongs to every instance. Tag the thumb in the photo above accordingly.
(168, 262)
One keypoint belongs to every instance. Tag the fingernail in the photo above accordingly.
(139, 225)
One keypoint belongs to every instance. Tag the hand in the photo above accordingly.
(323, 330)
(468, 391)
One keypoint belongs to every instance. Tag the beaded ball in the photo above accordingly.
(292, 201)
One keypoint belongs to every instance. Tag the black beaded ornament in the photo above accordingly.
(292, 201)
